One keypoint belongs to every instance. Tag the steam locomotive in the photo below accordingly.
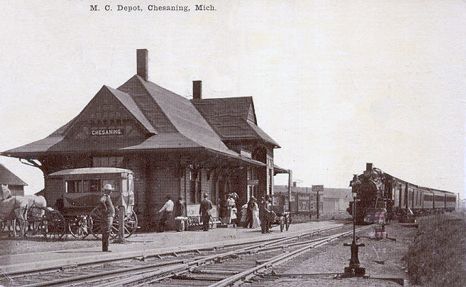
(379, 193)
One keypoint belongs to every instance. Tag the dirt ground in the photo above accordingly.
(381, 258)
(9, 246)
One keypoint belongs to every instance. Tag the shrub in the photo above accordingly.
(436, 258)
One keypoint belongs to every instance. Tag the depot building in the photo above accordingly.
(175, 146)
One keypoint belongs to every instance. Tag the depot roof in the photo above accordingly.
(160, 120)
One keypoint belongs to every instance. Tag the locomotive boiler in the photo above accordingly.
(379, 193)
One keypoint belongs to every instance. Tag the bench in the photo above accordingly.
(194, 222)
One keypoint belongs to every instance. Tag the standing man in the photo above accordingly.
(249, 213)
(108, 212)
(179, 207)
(263, 215)
(270, 213)
(204, 212)
(166, 212)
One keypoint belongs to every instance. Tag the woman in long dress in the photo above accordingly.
(244, 215)
(231, 210)
(255, 216)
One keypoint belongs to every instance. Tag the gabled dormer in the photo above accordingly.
(110, 114)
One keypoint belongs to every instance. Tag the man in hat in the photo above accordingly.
(166, 213)
(204, 211)
(263, 213)
(108, 212)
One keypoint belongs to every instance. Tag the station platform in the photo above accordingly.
(73, 252)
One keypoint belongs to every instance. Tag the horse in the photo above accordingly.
(16, 207)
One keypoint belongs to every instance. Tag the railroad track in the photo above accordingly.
(243, 267)
(186, 268)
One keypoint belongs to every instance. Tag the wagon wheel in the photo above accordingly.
(80, 226)
(97, 218)
(131, 224)
(35, 216)
(53, 224)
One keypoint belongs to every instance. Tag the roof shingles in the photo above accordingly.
(173, 122)
(231, 118)
(7, 177)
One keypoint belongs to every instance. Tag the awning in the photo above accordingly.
(277, 170)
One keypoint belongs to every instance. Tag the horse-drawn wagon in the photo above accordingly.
(76, 193)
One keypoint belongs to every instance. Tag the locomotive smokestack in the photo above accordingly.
(368, 166)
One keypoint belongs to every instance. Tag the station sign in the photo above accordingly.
(317, 188)
(253, 182)
(107, 132)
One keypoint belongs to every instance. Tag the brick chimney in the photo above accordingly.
(197, 90)
(142, 61)
(368, 166)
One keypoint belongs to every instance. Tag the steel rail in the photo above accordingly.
(159, 255)
(176, 266)
(238, 252)
(177, 270)
(102, 274)
(180, 268)
(278, 259)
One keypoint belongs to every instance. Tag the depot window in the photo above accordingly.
(107, 161)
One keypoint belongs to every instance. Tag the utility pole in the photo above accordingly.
(318, 205)
(297, 198)
(310, 213)
(290, 174)
(318, 189)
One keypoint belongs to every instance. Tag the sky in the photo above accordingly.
(335, 83)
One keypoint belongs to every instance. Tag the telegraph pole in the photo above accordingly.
(318, 205)
(318, 189)
(290, 174)
(310, 211)
(297, 198)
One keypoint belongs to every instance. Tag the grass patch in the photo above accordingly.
(437, 256)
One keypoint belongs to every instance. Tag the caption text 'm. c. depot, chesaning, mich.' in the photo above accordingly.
(151, 8)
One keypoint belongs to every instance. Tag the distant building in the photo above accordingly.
(15, 184)
(331, 201)
(336, 200)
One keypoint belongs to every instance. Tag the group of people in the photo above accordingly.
(178, 208)
(169, 208)
(254, 214)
